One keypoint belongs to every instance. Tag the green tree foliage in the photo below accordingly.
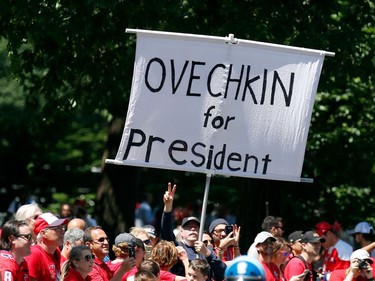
(74, 63)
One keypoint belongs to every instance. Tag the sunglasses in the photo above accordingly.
(205, 242)
(28, 237)
(101, 240)
(88, 258)
(147, 241)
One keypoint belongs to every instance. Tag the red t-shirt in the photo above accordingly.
(10, 270)
(100, 271)
(42, 265)
(296, 267)
(272, 271)
(114, 267)
(130, 273)
(167, 276)
(337, 257)
(228, 255)
(74, 275)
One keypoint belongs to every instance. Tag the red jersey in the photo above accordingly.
(228, 255)
(100, 271)
(42, 265)
(337, 257)
(10, 270)
(296, 267)
(272, 271)
(130, 274)
(74, 275)
(114, 267)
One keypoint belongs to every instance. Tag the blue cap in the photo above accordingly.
(245, 268)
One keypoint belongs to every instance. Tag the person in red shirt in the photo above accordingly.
(166, 255)
(300, 268)
(264, 242)
(78, 265)
(97, 240)
(44, 260)
(361, 268)
(336, 253)
(15, 243)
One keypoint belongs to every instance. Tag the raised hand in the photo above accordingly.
(168, 198)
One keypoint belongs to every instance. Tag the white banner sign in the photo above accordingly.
(200, 104)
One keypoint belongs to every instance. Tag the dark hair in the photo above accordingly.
(10, 228)
(87, 235)
(75, 254)
(201, 265)
(150, 266)
(271, 221)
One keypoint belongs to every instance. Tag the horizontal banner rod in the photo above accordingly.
(225, 39)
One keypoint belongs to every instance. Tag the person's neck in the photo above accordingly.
(308, 258)
(17, 257)
(264, 258)
(48, 247)
(83, 274)
(64, 253)
(188, 243)
(99, 257)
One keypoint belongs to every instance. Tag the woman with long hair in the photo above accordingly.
(79, 264)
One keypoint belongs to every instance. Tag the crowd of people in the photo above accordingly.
(37, 245)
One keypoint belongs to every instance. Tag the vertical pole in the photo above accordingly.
(204, 206)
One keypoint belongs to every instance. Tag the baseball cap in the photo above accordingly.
(295, 236)
(322, 227)
(361, 255)
(125, 238)
(311, 237)
(362, 227)
(150, 229)
(138, 242)
(215, 223)
(47, 220)
(263, 236)
(189, 219)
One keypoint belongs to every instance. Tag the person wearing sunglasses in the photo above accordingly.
(264, 243)
(97, 240)
(15, 244)
(280, 254)
(44, 260)
(194, 247)
(79, 264)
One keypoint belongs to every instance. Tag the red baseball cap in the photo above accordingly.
(47, 220)
(322, 227)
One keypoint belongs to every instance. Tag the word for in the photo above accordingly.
(157, 72)
(179, 151)
(218, 121)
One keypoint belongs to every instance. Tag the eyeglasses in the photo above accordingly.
(101, 240)
(147, 241)
(28, 237)
(88, 258)
(218, 231)
(205, 242)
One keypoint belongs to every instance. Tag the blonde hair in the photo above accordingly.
(138, 230)
(165, 254)
(121, 249)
